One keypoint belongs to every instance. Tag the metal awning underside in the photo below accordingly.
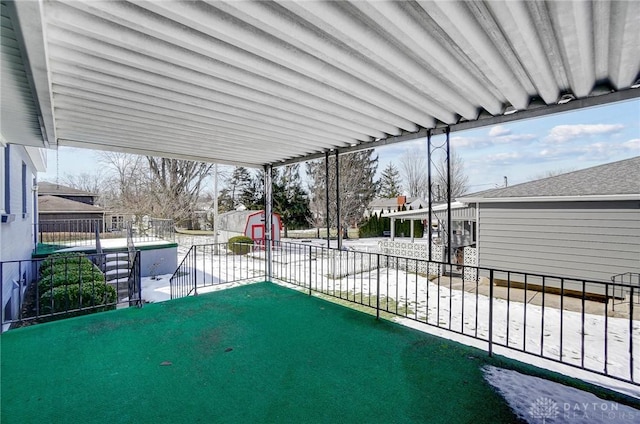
(253, 83)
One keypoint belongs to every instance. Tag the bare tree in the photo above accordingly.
(551, 173)
(176, 186)
(91, 182)
(413, 166)
(159, 187)
(459, 180)
(128, 182)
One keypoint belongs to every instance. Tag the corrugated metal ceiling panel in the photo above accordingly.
(257, 82)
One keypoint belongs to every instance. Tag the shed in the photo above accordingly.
(247, 223)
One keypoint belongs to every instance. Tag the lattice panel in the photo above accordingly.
(470, 259)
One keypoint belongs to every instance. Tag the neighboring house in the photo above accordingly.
(395, 204)
(52, 189)
(19, 166)
(583, 224)
(67, 209)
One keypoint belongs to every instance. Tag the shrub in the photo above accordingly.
(70, 277)
(68, 297)
(240, 245)
(65, 269)
(60, 262)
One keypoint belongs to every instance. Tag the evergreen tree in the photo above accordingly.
(357, 187)
(390, 182)
(237, 184)
(289, 198)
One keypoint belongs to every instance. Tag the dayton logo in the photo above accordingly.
(544, 408)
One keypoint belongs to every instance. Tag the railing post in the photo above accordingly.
(310, 270)
(490, 312)
(378, 286)
(138, 271)
(195, 271)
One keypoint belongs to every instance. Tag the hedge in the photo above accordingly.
(240, 245)
(60, 262)
(69, 297)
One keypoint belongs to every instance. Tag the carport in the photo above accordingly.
(264, 84)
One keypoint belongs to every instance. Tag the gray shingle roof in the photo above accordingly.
(622, 177)
(48, 204)
(54, 189)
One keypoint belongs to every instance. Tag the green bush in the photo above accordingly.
(60, 262)
(240, 245)
(63, 298)
(66, 269)
(70, 277)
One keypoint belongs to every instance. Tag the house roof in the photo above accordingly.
(54, 204)
(46, 188)
(612, 180)
(389, 202)
(257, 83)
(459, 211)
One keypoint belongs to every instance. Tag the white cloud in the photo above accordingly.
(564, 133)
(499, 130)
(504, 158)
(482, 142)
(633, 145)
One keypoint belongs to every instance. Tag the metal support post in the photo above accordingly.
(430, 189)
(268, 218)
(449, 223)
(338, 203)
(326, 190)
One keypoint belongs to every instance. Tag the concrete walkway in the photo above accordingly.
(616, 308)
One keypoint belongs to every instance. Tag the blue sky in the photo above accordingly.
(524, 150)
(521, 150)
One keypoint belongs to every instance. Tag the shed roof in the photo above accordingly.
(617, 179)
(54, 204)
(256, 83)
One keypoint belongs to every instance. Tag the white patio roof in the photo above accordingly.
(253, 83)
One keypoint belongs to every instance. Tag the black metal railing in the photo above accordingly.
(565, 320)
(64, 233)
(65, 285)
(208, 265)
(135, 281)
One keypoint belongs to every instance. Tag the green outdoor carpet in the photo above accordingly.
(253, 354)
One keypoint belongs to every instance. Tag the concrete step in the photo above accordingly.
(119, 281)
(116, 272)
(116, 256)
(116, 264)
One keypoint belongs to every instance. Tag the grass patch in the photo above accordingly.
(389, 307)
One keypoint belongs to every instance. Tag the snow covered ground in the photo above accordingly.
(536, 400)
(438, 307)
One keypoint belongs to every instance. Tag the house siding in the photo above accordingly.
(16, 237)
(582, 240)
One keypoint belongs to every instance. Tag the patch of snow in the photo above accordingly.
(536, 400)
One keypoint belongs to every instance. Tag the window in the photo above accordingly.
(24, 190)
